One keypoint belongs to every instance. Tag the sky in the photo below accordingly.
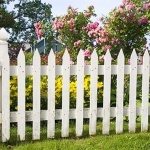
(102, 7)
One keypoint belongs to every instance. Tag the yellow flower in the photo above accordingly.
(99, 84)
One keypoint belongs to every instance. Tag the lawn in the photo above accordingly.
(125, 141)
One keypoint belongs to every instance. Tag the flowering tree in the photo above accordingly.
(125, 28)
(72, 28)
(129, 24)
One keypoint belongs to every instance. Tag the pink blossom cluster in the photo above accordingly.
(146, 6)
(92, 29)
(128, 5)
(92, 26)
(71, 24)
(143, 21)
(38, 29)
(107, 47)
(102, 36)
(77, 43)
(57, 24)
(87, 53)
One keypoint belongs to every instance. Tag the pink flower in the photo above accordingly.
(130, 6)
(125, 2)
(92, 26)
(57, 24)
(107, 47)
(77, 44)
(120, 10)
(38, 29)
(146, 6)
(87, 53)
(71, 23)
(143, 21)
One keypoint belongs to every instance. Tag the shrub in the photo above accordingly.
(58, 92)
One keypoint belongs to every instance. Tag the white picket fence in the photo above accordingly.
(79, 113)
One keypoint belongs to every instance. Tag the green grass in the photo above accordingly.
(125, 141)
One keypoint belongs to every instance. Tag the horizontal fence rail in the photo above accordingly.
(73, 70)
(21, 116)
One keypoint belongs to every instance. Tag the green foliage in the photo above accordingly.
(58, 92)
(6, 18)
(27, 13)
(129, 23)
(22, 18)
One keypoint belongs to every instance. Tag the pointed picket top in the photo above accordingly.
(21, 54)
(94, 55)
(121, 56)
(107, 55)
(36, 54)
(146, 55)
(66, 56)
(51, 55)
(4, 35)
(133, 55)
(80, 56)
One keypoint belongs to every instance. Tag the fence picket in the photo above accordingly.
(65, 94)
(120, 93)
(51, 95)
(21, 96)
(145, 91)
(5, 98)
(93, 93)
(132, 92)
(36, 95)
(80, 94)
(107, 90)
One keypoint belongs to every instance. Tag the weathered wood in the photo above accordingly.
(51, 96)
(145, 91)
(107, 90)
(132, 92)
(36, 95)
(65, 94)
(21, 96)
(72, 114)
(120, 93)
(80, 94)
(93, 93)
(73, 70)
(5, 99)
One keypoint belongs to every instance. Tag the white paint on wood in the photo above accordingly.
(107, 93)
(51, 95)
(132, 92)
(65, 94)
(36, 95)
(73, 68)
(72, 114)
(5, 98)
(145, 91)
(80, 94)
(21, 96)
(93, 93)
(120, 93)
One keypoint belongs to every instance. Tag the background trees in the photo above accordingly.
(22, 18)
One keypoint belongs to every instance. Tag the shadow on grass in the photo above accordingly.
(72, 135)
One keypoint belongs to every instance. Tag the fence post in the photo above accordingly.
(4, 36)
